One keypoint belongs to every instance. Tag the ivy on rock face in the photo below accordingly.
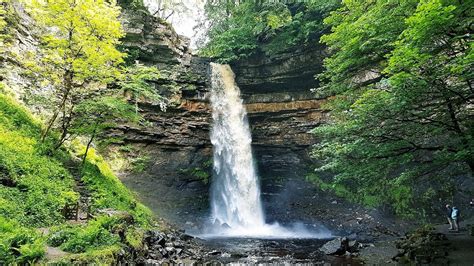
(402, 120)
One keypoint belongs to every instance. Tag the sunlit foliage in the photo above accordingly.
(402, 119)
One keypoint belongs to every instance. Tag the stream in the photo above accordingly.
(229, 250)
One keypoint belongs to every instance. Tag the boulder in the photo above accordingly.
(331, 246)
(354, 246)
(225, 226)
(341, 246)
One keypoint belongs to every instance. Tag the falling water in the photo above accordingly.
(235, 193)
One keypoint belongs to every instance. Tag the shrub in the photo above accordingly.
(81, 238)
(19, 244)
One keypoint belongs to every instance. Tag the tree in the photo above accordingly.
(137, 83)
(78, 54)
(165, 9)
(94, 116)
(97, 113)
(431, 71)
(237, 29)
(402, 117)
(363, 33)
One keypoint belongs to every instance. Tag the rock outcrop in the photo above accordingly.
(281, 109)
(172, 147)
(20, 40)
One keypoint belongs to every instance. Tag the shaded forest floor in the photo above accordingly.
(462, 243)
(460, 247)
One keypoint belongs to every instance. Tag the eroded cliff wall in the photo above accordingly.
(173, 149)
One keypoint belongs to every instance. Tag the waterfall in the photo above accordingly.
(235, 191)
(236, 208)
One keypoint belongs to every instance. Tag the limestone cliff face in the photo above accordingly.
(20, 40)
(172, 148)
(281, 109)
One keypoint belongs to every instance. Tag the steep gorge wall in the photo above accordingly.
(281, 109)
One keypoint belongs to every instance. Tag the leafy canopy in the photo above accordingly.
(237, 29)
(78, 56)
(80, 37)
(402, 118)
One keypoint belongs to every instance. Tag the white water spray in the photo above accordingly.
(235, 194)
(236, 206)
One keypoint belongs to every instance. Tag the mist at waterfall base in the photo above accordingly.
(236, 207)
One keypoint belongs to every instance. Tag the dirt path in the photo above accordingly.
(462, 252)
(53, 253)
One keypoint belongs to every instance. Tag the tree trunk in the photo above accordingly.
(464, 140)
(89, 143)
(67, 88)
(65, 128)
(470, 163)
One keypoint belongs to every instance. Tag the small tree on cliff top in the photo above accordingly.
(78, 54)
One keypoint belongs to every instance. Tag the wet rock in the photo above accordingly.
(164, 253)
(155, 256)
(341, 246)
(186, 237)
(161, 241)
(170, 250)
(424, 246)
(214, 253)
(225, 226)
(331, 246)
(354, 246)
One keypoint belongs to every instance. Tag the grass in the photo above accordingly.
(19, 244)
(35, 186)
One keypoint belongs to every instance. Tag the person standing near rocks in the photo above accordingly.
(455, 218)
(449, 212)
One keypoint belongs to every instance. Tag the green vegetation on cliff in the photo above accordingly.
(54, 188)
(35, 186)
(238, 30)
(402, 119)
